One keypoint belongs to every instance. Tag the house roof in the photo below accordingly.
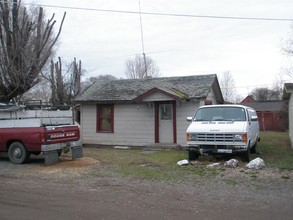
(248, 99)
(288, 89)
(129, 90)
(272, 106)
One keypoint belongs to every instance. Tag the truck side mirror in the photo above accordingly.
(253, 118)
(189, 119)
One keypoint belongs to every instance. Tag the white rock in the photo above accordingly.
(231, 163)
(257, 163)
(121, 147)
(182, 162)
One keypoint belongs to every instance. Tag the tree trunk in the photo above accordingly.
(26, 43)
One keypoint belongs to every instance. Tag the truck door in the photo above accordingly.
(254, 126)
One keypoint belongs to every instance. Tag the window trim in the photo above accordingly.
(98, 118)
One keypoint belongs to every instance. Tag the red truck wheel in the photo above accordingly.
(17, 153)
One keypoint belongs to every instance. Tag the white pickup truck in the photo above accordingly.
(222, 129)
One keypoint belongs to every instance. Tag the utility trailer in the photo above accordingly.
(25, 130)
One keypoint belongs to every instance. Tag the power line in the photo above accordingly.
(256, 86)
(151, 52)
(167, 14)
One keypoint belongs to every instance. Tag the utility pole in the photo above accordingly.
(142, 42)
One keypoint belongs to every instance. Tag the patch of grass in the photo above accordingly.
(231, 182)
(200, 171)
(149, 173)
(274, 148)
(154, 165)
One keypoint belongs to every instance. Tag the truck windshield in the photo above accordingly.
(220, 114)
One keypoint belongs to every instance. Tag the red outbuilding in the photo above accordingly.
(272, 115)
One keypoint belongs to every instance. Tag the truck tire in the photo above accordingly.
(246, 155)
(253, 148)
(17, 153)
(192, 155)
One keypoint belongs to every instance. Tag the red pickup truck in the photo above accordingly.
(21, 137)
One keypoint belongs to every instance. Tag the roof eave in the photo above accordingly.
(154, 90)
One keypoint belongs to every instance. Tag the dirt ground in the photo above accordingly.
(83, 189)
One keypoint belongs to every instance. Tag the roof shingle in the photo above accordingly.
(194, 87)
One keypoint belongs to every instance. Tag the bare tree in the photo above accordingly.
(102, 77)
(266, 94)
(88, 81)
(277, 89)
(26, 43)
(74, 84)
(107, 77)
(228, 87)
(260, 94)
(141, 67)
(65, 85)
(40, 91)
(288, 50)
(288, 47)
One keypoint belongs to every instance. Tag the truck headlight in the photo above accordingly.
(240, 137)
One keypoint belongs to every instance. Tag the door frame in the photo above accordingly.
(157, 120)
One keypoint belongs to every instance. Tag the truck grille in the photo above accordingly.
(210, 137)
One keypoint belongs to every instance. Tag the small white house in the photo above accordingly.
(143, 112)
(287, 95)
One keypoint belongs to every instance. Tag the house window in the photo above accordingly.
(105, 118)
(166, 112)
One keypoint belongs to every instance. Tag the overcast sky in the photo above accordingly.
(180, 45)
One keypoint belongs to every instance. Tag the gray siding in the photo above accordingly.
(133, 125)
(183, 111)
(211, 96)
(157, 97)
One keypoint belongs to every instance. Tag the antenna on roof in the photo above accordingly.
(142, 42)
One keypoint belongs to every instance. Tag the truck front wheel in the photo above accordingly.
(59, 152)
(253, 148)
(192, 155)
(17, 153)
(246, 155)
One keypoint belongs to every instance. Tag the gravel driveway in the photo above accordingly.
(85, 189)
